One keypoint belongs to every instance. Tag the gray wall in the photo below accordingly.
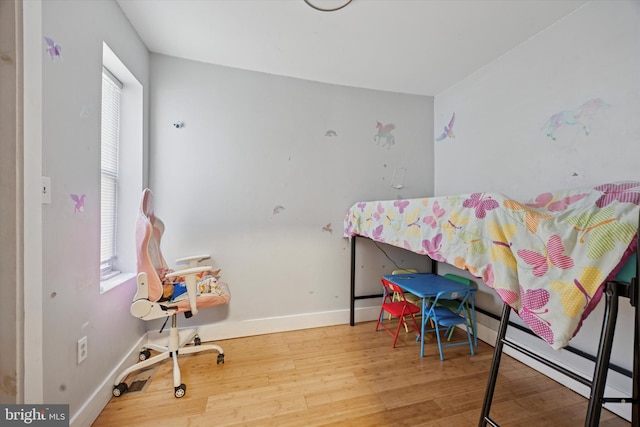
(72, 305)
(501, 143)
(252, 142)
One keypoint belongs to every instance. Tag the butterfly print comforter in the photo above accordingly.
(547, 258)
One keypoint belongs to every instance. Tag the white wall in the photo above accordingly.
(72, 305)
(501, 146)
(252, 142)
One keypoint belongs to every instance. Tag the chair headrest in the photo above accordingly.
(146, 204)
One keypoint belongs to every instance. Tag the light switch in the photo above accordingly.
(46, 189)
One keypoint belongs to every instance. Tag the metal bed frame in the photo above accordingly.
(613, 291)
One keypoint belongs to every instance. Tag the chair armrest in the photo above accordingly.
(188, 271)
(192, 261)
(189, 275)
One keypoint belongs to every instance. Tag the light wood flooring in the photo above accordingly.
(346, 376)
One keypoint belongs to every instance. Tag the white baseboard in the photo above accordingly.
(227, 330)
(270, 325)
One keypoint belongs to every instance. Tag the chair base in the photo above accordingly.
(175, 349)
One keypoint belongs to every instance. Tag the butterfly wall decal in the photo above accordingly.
(79, 207)
(53, 49)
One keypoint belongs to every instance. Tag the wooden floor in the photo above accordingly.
(346, 376)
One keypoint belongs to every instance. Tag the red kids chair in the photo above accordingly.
(395, 303)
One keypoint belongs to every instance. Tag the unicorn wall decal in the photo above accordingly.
(580, 116)
(384, 132)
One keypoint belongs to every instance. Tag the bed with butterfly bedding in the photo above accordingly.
(549, 259)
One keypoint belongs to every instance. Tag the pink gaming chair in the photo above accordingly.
(146, 305)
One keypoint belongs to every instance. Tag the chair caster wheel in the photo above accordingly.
(144, 355)
(197, 340)
(220, 359)
(120, 389)
(180, 391)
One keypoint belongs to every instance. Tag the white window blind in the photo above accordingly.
(111, 93)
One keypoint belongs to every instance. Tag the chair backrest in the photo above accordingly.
(391, 289)
(458, 279)
(459, 297)
(149, 231)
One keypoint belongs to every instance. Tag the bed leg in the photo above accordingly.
(604, 354)
(352, 319)
(635, 408)
(495, 365)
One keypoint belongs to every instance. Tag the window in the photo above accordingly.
(122, 169)
(111, 98)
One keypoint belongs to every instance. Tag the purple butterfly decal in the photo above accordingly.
(481, 204)
(361, 205)
(79, 207)
(328, 228)
(433, 246)
(377, 232)
(532, 300)
(379, 211)
(448, 130)
(626, 192)
(432, 220)
(401, 204)
(53, 49)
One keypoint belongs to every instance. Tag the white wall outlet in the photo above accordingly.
(46, 190)
(82, 349)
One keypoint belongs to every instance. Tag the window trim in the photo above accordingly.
(132, 159)
(110, 142)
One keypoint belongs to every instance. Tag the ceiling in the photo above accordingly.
(407, 46)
